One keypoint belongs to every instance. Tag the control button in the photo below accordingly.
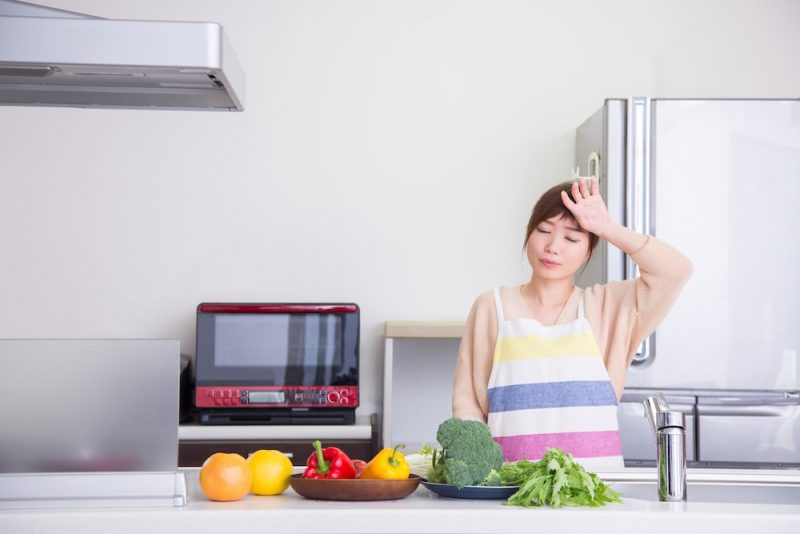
(226, 401)
(333, 397)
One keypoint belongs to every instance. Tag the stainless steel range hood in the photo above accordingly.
(51, 57)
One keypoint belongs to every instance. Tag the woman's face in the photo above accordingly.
(557, 248)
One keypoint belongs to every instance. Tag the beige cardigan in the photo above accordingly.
(621, 315)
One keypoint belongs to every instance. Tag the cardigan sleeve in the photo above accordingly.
(623, 314)
(474, 364)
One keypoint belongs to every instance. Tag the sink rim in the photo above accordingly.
(755, 477)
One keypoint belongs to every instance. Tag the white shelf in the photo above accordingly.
(360, 430)
(424, 329)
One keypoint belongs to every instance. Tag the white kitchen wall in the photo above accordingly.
(389, 155)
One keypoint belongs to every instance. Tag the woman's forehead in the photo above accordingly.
(563, 220)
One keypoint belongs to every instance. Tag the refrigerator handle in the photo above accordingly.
(764, 410)
(594, 165)
(637, 195)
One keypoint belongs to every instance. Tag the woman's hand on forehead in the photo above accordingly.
(588, 207)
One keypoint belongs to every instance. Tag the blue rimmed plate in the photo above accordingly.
(470, 492)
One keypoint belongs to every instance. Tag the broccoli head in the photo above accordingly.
(469, 454)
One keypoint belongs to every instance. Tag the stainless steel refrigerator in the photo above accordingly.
(719, 180)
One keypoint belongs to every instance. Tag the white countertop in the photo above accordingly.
(196, 432)
(420, 512)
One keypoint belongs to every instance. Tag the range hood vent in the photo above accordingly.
(51, 57)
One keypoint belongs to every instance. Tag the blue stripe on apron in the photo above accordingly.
(552, 395)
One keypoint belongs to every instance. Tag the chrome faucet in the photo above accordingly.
(669, 429)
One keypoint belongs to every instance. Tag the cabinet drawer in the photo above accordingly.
(765, 434)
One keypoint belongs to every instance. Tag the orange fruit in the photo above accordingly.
(225, 477)
(270, 470)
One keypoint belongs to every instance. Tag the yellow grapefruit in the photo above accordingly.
(270, 470)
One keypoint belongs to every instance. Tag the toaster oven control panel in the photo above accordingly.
(276, 397)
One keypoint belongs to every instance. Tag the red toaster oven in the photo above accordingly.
(273, 363)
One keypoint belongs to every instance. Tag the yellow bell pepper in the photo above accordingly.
(389, 463)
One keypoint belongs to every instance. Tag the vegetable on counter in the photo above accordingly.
(330, 462)
(359, 465)
(555, 480)
(420, 461)
(468, 455)
(387, 464)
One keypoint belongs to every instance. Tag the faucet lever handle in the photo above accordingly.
(654, 405)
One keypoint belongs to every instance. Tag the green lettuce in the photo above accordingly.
(556, 480)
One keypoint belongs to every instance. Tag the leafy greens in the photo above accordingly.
(555, 480)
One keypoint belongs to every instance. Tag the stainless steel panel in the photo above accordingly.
(749, 431)
(88, 405)
(588, 153)
(638, 198)
(722, 493)
(603, 134)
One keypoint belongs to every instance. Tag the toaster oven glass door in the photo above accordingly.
(277, 349)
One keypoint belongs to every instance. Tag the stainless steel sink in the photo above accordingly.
(715, 486)
(723, 493)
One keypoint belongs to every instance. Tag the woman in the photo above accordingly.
(544, 363)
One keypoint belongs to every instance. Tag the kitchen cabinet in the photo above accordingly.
(418, 368)
(198, 442)
(747, 429)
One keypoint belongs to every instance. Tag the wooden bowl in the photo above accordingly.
(354, 489)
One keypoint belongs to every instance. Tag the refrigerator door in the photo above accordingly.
(749, 428)
(600, 148)
(725, 190)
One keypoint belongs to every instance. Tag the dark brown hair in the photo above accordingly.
(550, 205)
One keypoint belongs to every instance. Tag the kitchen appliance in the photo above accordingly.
(52, 57)
(89, 422)
(719, 180)
(186, 389)
(275, 363)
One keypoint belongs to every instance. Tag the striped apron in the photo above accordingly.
(550, 388)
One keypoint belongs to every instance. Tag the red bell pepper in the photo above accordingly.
(330, 462)
(359, 465)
